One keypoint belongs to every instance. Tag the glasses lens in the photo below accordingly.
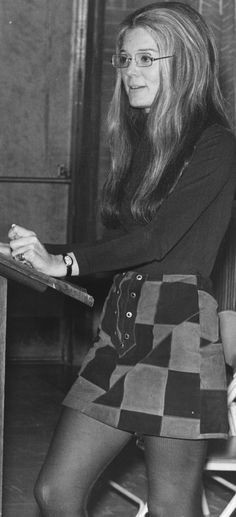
(120, 60)
(143, 59)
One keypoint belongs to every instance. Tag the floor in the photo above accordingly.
(33, 398)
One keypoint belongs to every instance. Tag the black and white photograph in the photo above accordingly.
(118, 258)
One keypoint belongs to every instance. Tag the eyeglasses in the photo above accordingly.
(142, 60)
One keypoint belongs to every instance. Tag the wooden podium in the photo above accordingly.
(11, 269)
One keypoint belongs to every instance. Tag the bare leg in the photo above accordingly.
(174, 469)
(81, 449)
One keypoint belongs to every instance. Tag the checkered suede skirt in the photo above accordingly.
(157, 367)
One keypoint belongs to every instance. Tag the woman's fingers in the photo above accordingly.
(23, 241)
(31, 257)
(25, 246)
(30, 242)
(19, 251)
(5, 249)
(32, 251)
(17, 231)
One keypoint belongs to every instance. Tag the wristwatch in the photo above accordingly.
(68, 261)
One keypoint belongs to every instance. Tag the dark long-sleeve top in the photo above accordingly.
(188, 228)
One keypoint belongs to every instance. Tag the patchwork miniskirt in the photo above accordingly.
(157, 367)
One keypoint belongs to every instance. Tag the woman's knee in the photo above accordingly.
(55, 498)
(41, 492)
(48, 495)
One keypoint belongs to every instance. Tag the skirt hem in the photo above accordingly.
(207, 436)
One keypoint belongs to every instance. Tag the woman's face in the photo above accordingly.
(141, 83)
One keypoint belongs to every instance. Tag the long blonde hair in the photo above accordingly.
(188, 89)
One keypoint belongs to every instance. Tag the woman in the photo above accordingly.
(157, 366)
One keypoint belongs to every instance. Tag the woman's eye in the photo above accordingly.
(145, 59)
(123, 60)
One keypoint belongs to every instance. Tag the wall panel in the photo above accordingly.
(35, 90)
(40, 55)
(42, 207)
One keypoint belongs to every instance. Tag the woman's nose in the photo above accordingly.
(132, 68)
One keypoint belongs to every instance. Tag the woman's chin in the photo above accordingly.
(139, 105)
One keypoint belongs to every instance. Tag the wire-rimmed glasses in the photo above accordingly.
(142, 59)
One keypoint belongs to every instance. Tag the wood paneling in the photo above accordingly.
(35, 86)
(86, 138)
(50, 53)
(42, 207)
(38, 81)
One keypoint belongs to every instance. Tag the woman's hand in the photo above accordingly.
(5, 249)
(25, 246)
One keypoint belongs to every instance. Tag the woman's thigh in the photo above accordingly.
(80, 450)
(174, 471)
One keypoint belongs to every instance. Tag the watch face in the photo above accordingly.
(68, 260)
